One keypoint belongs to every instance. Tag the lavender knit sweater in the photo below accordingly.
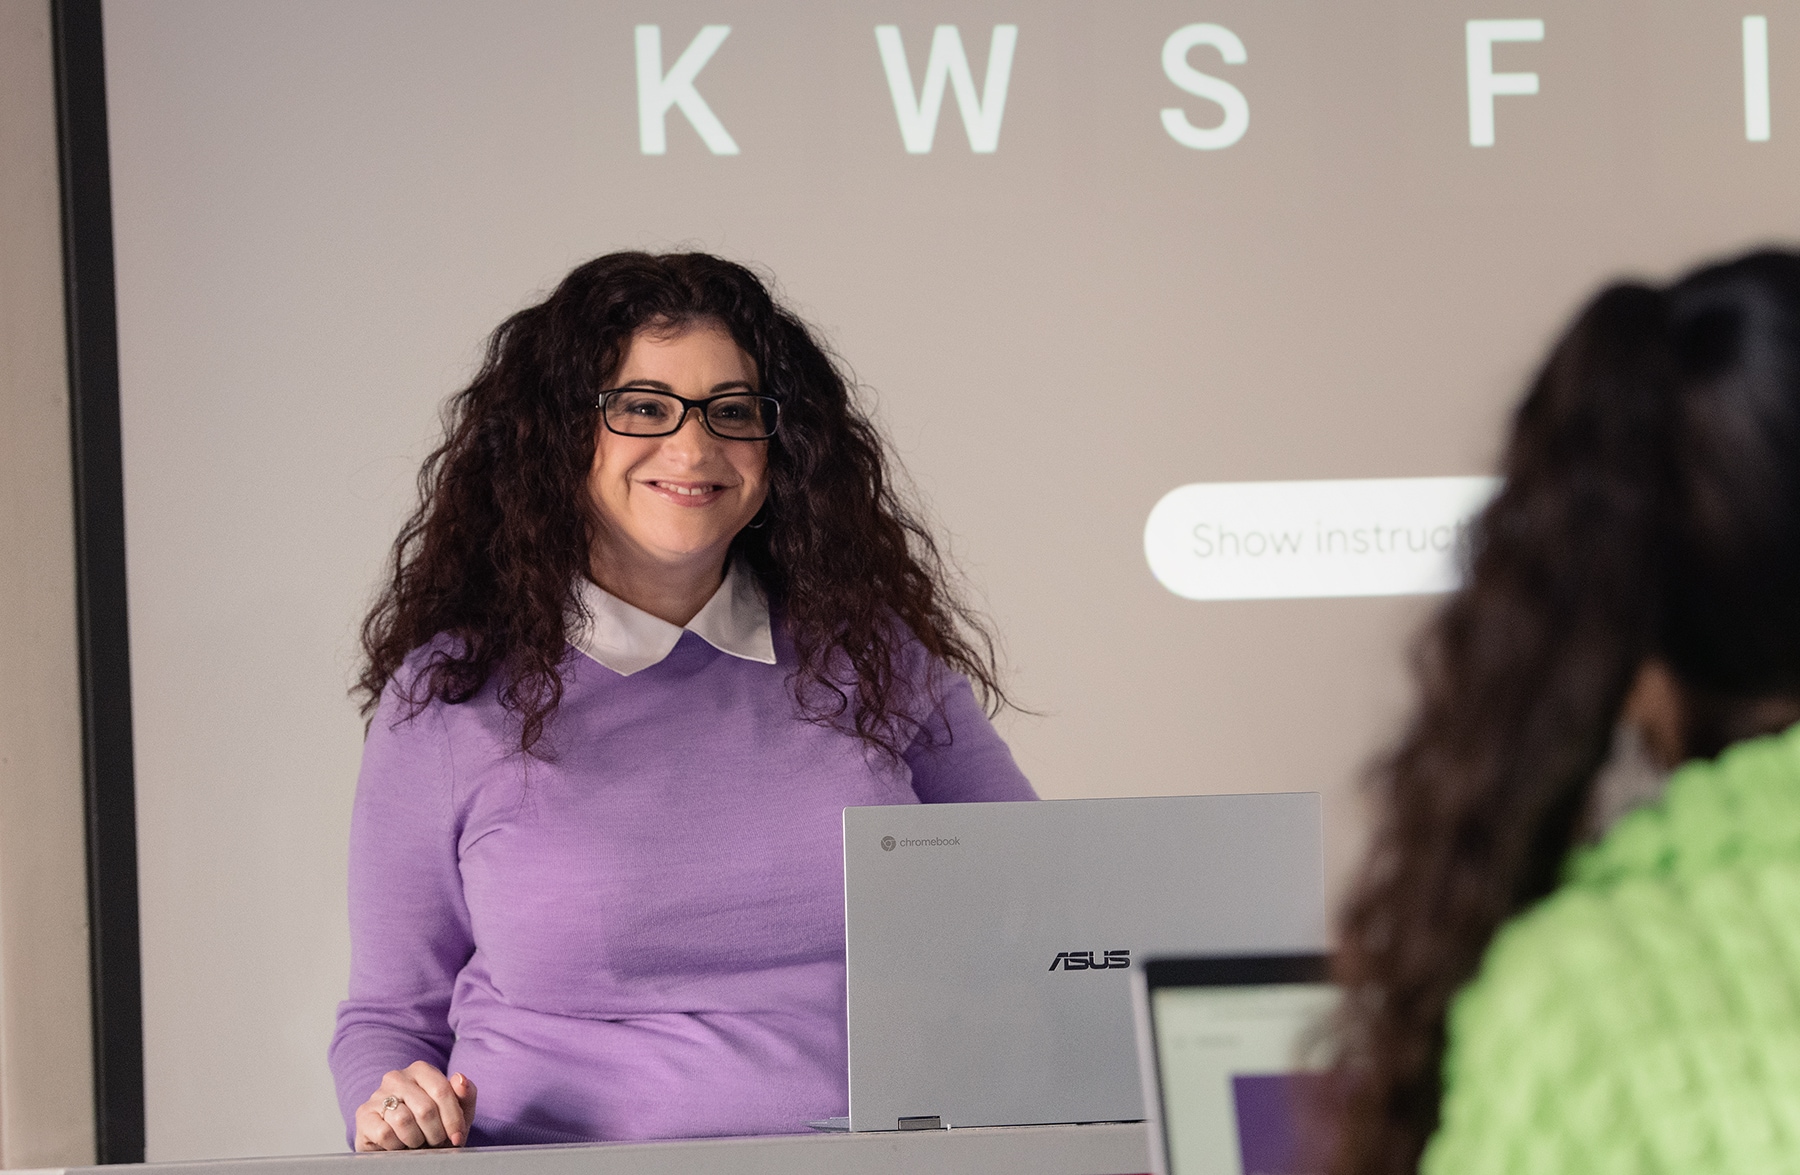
(643, 938)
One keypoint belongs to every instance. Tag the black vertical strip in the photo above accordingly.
(93, 343)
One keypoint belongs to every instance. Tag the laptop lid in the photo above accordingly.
(989, 945)
(1229, 1050)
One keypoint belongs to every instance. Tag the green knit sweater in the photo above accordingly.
(1645, 1017)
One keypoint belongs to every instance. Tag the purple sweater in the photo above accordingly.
(643, 938)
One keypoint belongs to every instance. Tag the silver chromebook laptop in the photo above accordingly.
(989, 945)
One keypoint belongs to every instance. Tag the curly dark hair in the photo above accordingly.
(491, 555)
(1650, 510)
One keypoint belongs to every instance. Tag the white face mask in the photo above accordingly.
(1630, 778)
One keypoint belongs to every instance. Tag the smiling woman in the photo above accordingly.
(658, 619)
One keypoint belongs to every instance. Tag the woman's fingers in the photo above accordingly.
(375, 1130)
(405, 1125)
(373, 1133)
(436, 1109)
(416, 1107)
(465, 1095)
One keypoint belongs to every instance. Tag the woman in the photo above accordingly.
(658, 619)
(1517, 1002)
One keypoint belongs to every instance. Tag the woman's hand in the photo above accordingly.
(416, 1106)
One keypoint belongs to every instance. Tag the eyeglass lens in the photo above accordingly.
(646, 413)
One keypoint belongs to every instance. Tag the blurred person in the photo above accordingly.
(659, 617)
(1519, 996)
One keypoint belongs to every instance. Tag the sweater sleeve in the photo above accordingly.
(958, 757)
(409, 926)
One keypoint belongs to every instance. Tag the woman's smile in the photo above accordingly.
(687, 493)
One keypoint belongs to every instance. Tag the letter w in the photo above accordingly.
(657, 91)
(948, 63)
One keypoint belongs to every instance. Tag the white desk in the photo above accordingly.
(1109, 1149)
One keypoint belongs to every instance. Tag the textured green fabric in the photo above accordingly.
(1645, 1017)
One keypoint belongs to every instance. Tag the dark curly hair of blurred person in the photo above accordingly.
(1650, 509)
(490, 557)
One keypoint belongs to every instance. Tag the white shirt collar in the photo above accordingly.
(627, 639)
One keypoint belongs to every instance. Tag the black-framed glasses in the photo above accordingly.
(645, 412)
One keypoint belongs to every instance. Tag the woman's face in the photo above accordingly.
(676, 501)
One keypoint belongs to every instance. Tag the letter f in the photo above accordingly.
(1484, 83)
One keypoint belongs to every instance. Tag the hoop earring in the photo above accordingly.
(761, 520)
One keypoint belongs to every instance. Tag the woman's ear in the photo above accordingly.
(1657, 706)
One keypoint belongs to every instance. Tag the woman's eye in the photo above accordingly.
(734, 412)
(646, 408)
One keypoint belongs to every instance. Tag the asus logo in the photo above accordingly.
(1085, 961)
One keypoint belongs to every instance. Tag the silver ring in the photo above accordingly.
(390, 1102)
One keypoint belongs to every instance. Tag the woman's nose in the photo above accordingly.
(691, 440)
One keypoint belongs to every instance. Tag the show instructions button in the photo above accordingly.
(1288, 540)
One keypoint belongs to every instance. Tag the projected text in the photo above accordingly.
(1295, 539)
(947, 66)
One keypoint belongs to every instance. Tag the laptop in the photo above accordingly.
(1229, 1050)
(990, 945)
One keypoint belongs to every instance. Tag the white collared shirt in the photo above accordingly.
(627, 639)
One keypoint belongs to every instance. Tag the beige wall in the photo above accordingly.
(46, 1077)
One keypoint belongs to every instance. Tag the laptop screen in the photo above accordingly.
(1231, 1076)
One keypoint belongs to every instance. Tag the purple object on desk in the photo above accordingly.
(1268, 1121)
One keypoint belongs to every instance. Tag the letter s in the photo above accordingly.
(1203, 544)
(1190, 80)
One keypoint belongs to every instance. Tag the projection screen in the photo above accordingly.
(1120, 281)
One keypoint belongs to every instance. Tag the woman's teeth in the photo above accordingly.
(690, 491)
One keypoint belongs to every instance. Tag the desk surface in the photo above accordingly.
(1105, 1149)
